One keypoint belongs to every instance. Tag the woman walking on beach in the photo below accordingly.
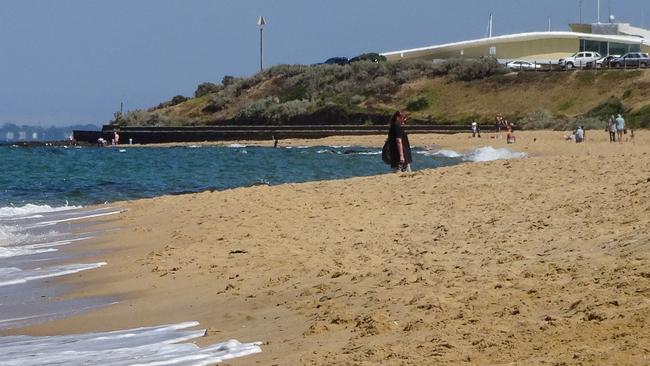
(611, 127)
(400, 149)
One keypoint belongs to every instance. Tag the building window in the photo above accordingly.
(593, 46)
(618, 48)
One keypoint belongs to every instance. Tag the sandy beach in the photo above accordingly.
(537, 261)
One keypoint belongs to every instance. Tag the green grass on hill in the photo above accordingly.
(453, 92)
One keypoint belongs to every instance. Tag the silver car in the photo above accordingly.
(522, 65)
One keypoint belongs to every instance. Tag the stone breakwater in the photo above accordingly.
(150, 135)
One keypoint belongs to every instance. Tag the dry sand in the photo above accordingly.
(537, 261)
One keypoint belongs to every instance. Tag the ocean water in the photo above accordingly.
(82, 176)
(44, 192)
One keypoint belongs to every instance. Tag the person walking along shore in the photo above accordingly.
(620, 128)
(400, 149)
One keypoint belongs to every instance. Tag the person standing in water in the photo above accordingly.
(400, 149)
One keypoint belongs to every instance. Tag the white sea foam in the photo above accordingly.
(18, 249)
(14, 276)
(84, 215)
(145, 346)
(30, 209)
(26, 231)
(444, 153)
(481, 154)
(489, 153)
(236, 145)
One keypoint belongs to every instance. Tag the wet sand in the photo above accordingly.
(536, 261)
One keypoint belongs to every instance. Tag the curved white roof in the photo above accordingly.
(531, 36)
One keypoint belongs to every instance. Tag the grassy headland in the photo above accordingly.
(453, 92)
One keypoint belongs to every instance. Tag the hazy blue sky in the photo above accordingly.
(74, 61)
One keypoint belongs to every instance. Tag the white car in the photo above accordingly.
(522, 65)
(579, 59)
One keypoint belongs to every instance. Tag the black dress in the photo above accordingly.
(396, 131)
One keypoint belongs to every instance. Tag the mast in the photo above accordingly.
(598, 21)
(490, 26)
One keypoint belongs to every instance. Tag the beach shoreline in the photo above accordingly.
(521, 260)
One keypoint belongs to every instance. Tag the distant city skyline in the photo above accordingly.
(71, 62)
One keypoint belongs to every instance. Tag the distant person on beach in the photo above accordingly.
(631, 135)
(611, 127)
(620, 128)
(580, 134)
(275, 141)
(498, 123)
(510, 138)
(476, 129)
(116, 138)
(400, 149)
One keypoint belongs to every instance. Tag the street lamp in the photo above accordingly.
(261, 22)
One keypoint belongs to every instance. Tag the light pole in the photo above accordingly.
(579, 11)
(261, 22)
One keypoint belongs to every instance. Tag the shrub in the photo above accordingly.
(141, 117)
(216, 103)
(285, 71)
(640, 118)
(542, 119)
(228, 80)
(627, 93)
(296, 89)
(270, 110)
(356, 99)
(468, 70)
(207, 88)
(381, 86)
(178, 99)
(369, 56)
(255, 111)
(589, 123)
(603, 111)
(279, 113)
(417, 104)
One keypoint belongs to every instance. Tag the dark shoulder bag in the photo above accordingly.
(385, 152)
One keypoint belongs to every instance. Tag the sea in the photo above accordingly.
(50, 197)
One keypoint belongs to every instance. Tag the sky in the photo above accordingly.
(66, 62)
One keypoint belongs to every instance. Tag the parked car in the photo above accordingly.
(631, 59)
(337, 61)
(579, 59)
(522, 65)
(602, 62)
